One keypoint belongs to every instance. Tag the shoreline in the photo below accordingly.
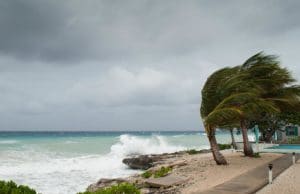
(198, 170)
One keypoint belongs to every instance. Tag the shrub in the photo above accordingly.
(193, 151)
(12, 188)
(123, 188)
(224, 146)
(147, 174)
(163, 171)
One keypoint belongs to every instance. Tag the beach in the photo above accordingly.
(199, 171)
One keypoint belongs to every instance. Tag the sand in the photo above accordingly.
(204, 173)
(201, 171)
(286, 183)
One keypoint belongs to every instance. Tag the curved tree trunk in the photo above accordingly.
(218, 157)
(248, 151)
(233, 140)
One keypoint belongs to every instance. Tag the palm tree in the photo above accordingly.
(238, 108)
(217, 87)
(233, 143)
(265, 72)
(235, 96)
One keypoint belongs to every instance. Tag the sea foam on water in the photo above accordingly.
(52, 172)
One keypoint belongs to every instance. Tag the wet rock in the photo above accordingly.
(142, 162)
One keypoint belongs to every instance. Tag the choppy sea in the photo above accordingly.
(67, 162)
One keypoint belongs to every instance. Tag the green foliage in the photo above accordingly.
(123, 188)
(224, 146)
(147, 174)
(270, 123)
(258, 86)
(290, 117)
(163, 171)
(294, 140)
(193, 151)
(12, 188)
(239, 95)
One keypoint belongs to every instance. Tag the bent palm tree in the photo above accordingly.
(240, 107)
(217, 87)
(265, 72)
(235, 96)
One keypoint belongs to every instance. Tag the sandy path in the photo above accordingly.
(286, 183)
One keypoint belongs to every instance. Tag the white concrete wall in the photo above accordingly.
(260, 146)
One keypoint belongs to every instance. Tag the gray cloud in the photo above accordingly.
(128, 64)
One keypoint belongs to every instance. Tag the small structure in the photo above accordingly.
(287, 132)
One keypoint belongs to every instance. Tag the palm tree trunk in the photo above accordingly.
(269, 135)
(233, 140)
(218, 157)
(248, 151)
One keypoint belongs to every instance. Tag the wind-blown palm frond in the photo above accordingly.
(243, 93)
(212, 92)
(223, 117)
(261, 59)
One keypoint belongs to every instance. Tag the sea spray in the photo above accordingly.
(133, 145)
(66, 163)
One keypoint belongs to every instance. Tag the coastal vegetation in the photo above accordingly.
(163, 171)
(239, 96)
(269, 124)
(224, 146)
(193, 151)
(11, 187)
(123, 188)
(221, 147)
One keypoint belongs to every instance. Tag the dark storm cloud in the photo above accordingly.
(100, 30)
(128, 64)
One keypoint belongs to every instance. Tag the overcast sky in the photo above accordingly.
(129, 65)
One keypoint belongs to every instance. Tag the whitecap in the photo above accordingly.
(8, 141)
(134, 145)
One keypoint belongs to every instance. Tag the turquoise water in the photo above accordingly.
(67, 162)
(286, 147)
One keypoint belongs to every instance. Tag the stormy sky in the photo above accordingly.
(129, 65)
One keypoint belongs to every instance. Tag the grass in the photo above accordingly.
(123, 188)
(193, 151)
(163, 171)
(224, 146)
(147, 174)
(12, 188)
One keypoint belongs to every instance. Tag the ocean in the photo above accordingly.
(67, 162)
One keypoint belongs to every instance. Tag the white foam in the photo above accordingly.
(8, 141)
(133, 145)
(53, 173)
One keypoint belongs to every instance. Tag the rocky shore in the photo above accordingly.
(150, 163)
(187, 172)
